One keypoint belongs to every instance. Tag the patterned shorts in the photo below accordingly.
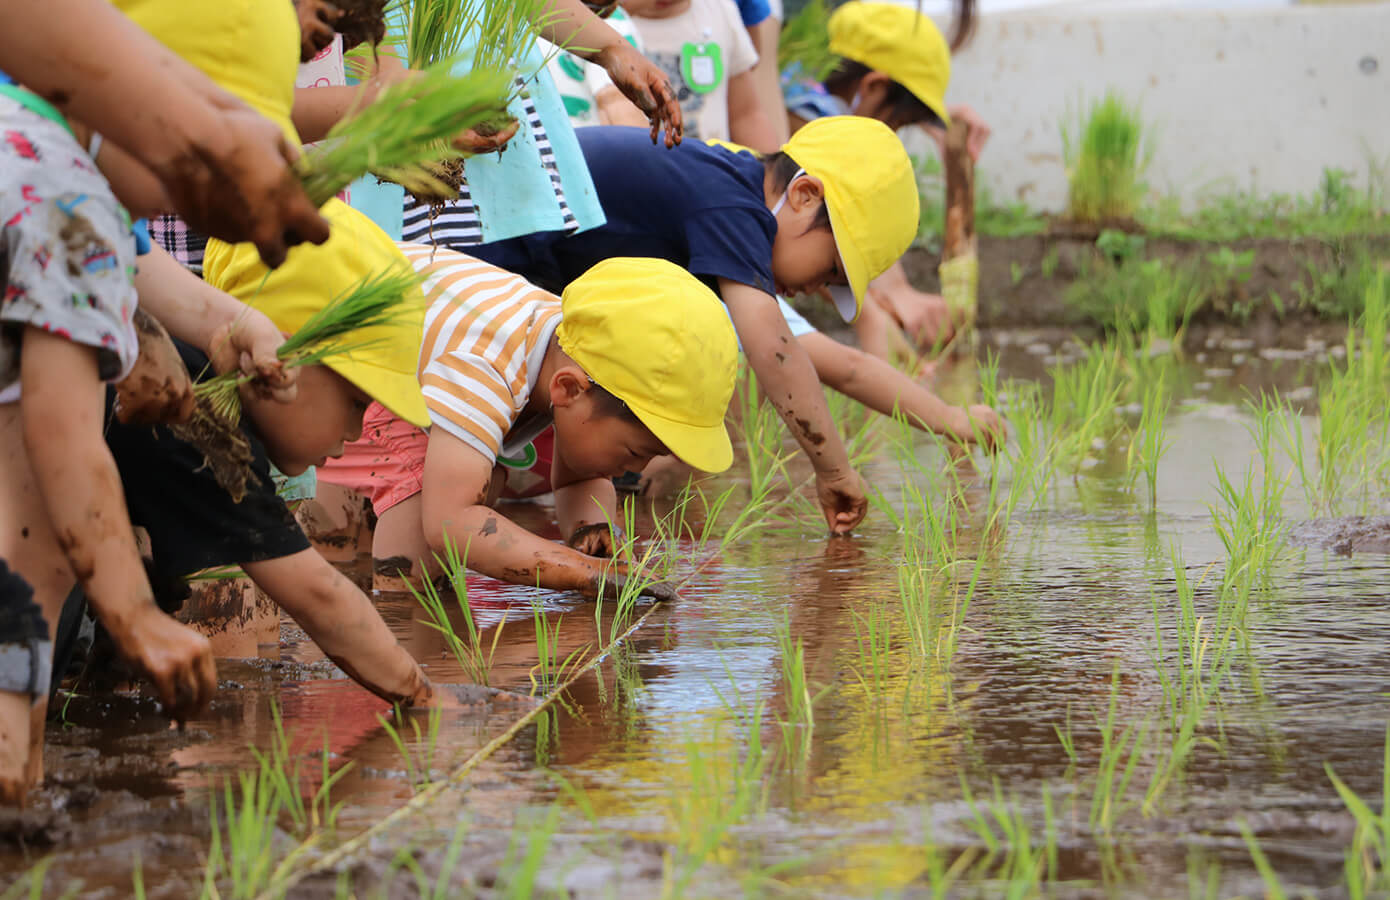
(67, 256)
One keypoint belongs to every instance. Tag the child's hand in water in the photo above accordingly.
(980, 423)
(175, 657)
(842, 500)
(595, 539)
(610, 585)
(646, 85)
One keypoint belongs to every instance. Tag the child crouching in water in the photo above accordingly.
(636, 359)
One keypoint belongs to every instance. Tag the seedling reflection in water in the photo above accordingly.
(472, 656)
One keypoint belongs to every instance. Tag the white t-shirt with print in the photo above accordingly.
(580, 81)
(700, 50)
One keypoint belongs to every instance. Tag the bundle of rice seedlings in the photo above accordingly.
(1106, 155)
(493, 35)
(805, 42)
(401, 135)
(332, 331)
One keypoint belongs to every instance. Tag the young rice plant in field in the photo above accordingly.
(1106, 154)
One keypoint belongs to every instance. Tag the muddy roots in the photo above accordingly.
(363, 22)
(226, 452)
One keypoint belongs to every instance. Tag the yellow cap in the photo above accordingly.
(652, 335)
(870, 193)
(898, 41)
(314, 275)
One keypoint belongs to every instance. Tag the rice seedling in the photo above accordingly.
(549, 670)
(1148, 445)
(1367, 861)
(404, 132)
(1274, 889)
(443, 886)
(1023, 868)
(1085, 399)
(418, 752)
(283, 774)
(1106, 153)
(242, 852)
(805, 42)
(1119, 757)
(340, 328)
(32, 883)
(798, 728)
(1149, 301)
(473, 657)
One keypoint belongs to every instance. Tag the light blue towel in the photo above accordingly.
(511, 190)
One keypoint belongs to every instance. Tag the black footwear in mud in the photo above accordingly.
(1345, 535)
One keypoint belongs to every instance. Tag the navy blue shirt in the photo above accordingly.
(698, 206)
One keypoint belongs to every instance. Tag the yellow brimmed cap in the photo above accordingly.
(870, 193)
(652, 335)
(313, 276)
(898, 41)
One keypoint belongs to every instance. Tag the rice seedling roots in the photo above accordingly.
(363, 22)
(226, 452)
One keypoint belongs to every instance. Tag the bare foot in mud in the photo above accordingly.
(15, 742)
(158, 389)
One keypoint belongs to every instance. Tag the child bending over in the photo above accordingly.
(637, 359)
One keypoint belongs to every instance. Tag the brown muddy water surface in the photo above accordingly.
(612, 791)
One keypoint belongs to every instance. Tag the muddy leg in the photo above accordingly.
(333, 521)
(28, 542)
(399, 546)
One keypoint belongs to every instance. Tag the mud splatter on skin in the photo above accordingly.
(815, 437)
(158, 388)
(489, 527)
(781, 358)
(391, 566)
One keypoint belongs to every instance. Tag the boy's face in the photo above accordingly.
(326, 413)
(804, 256)
(593, 443)
(654, 9)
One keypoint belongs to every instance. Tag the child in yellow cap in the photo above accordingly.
(194, 523)
(637, 359)
(893, 65)
(837, 206)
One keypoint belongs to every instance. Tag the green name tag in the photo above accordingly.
(702, 66)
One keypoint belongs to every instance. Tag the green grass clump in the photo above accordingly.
(1106, 155)
(406, 131)
(375, 301)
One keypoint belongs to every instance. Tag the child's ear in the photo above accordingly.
(567, 385)
(808, 191)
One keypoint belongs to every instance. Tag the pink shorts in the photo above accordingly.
(386, 465)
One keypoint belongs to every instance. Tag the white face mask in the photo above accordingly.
(781, 201)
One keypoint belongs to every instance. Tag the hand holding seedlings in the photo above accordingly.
(646, 85)
(981, 424)
(316, 21)
(476, 140)
(842, 500)
(250, 345)
(158, 389)
(614, 584)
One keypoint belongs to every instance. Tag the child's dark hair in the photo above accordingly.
(784, 169)
(903, 106)
(608, 404)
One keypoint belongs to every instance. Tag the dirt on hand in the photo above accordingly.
(362, 22)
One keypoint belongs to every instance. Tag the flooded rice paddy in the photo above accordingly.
(1029, 678)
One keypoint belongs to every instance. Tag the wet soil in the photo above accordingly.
(1024, 280)
(1067, 596)
(1345, 536)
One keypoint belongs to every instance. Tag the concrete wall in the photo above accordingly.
(1251, 99)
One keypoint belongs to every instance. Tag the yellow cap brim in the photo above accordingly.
(706, 447)
(856, 266)
(400, 393)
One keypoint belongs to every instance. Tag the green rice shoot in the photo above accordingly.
(491, 36)
(1105, 154)
(406, 130)
(375, 301)
(805, 41)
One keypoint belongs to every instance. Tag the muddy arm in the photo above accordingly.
(453, 513)
(884, 388)
(344, 623)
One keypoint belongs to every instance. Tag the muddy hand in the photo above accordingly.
(977, 130)
(158, 389)
(646, 85)
(249, 345)
(474, 141)
(843, 501)
(595, 539)
(176, 658)
(316, 21)
(238, 185)
(615, 583)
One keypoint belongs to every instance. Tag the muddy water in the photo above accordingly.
(1061, 620)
